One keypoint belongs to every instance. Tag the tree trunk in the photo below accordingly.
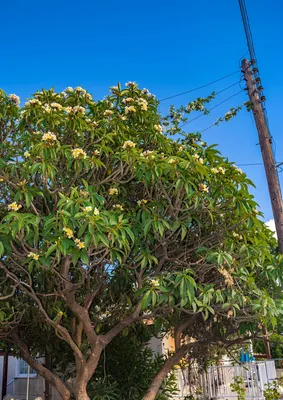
(80, 391)
(85, 371)
(161, 375)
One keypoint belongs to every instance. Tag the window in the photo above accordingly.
(22, 369)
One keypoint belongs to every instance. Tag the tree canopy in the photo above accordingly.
(107, 222)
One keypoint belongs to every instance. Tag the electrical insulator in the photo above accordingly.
(253, 61)
(260, 88)
(263, 98)
(257, 80)
(255, 70)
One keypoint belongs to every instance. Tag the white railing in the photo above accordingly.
(215, 382)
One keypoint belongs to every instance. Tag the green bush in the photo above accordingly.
(126, 371)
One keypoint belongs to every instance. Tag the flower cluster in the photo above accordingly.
(93, 123)
(158, 128)
(237, 235)
(197, 157)
(57, 106)
(96, 153)
(118, 207)
(49, 137)
(130, 109)
(122, 117)
(78, 153)
(14, 99)
(14, 206)
(114, 89)
(142, 202)
(146, 153)
(80, 245)
(129, 145)
(88, 209)
(238, 169)
(26, 154)
(69, 233)
(75, 110)
(219, 170)
(229, 281)
(47, 108)
(34, 256)
(127, 100)
(78, 109)
(146, 92)
(143, 104)
(108, 113)
(173, 161)
(83, 193)
(113, 191)
(154, 282)
(131, 84)
(33, 102)
(203, 188)
(79, 89)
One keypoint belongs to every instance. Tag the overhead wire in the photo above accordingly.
(212, 108)
(199, 87)
(250, 43)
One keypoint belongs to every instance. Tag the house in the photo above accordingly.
(18, 384)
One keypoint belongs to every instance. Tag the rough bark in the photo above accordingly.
(164, 371)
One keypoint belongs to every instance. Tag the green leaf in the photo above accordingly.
(146, 300)
(84, 258)
(28, 199)
(51, 249)
(220, 259)
(82, 229)
(2, 250)
(147, 227)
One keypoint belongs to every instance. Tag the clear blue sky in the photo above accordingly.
(166, 46)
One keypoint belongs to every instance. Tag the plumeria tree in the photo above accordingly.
(107, 222)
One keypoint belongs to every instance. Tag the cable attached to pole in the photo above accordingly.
(199, 87)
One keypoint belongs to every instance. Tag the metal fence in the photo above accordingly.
(215, 382)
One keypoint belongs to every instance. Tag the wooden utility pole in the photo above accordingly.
(266, 150)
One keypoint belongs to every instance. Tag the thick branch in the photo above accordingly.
(39, 368)
(122, 325)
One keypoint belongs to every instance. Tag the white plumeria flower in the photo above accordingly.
(15, 99)
(129, 144)
(158, 128)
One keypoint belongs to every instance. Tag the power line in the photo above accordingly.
(278, 165)
(250, 43)
(199, 87)
(212, 108)
(243, 165)
(247, 28)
